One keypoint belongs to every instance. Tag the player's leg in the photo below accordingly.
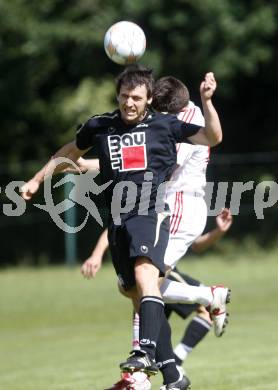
(151, 312)
(153, 323)
(147, 235)
(188, 220)
(135, 331)
(172, 379)
(119, 242)
(177, 292)
(186, 224)
(214, 298)
(198, 327)
(132, 380)
(184, 231)
(151, 309)
(165, 359)
(164, 355)
(194, 333)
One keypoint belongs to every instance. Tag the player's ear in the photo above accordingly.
(149, 101)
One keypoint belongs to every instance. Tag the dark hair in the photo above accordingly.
(170, 95)
(135, 75)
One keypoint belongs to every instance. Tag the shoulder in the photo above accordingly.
(102, 120)
(163, 117)
(192, 114)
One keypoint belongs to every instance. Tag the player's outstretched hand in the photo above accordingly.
(224, 220)
(208, 86)
(29, 189)
(91, 266)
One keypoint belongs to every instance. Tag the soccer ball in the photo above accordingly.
(124, 42)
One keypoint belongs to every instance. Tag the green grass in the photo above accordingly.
(58, 331)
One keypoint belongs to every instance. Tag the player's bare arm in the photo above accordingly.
(83, 165)
(69, 151)
(91, 164)
(211, 134)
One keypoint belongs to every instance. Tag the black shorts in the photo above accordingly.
(182, 309)
(137, 236)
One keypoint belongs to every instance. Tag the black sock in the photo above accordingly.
(178, 360)
(195, 332)
(151, 312)
(164, 354)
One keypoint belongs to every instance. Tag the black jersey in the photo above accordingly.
(127, 152)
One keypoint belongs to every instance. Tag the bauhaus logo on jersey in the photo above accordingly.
(128, 151)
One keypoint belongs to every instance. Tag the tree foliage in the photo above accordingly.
(55, 72)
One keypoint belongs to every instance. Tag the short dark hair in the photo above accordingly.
(170, 95)
(135, 75)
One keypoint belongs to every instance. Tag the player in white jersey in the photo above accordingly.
(186, 191)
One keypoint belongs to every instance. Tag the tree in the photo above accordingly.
(54, 65)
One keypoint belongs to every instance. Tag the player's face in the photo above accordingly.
(133, 103)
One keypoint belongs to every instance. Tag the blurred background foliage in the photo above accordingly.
(55, 74)
(54, 71)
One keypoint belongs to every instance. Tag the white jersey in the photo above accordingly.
(185, 193)
(192, 160)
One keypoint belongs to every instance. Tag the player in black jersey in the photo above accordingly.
(137, 154)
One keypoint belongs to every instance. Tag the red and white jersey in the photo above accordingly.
(192, 160)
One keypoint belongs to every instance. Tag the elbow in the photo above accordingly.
(215, 137)
(219, 138)
(212, 135)
(216, 140)
(196, 248)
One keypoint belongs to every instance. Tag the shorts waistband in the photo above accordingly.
(195, 194)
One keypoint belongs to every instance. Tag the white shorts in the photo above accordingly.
(188, 220)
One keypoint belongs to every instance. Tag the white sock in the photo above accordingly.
(135, 332)
(182, 351)
(177, 292)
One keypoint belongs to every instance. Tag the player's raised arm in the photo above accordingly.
(211, 134)
(69, 151)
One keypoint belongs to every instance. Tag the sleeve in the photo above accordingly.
(197, 118)
(85, 134)
(182, 130)
(193, 115)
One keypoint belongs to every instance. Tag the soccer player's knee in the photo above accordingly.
(146, 277)
(145, 269)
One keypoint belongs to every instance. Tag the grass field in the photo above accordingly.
(58, 331)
